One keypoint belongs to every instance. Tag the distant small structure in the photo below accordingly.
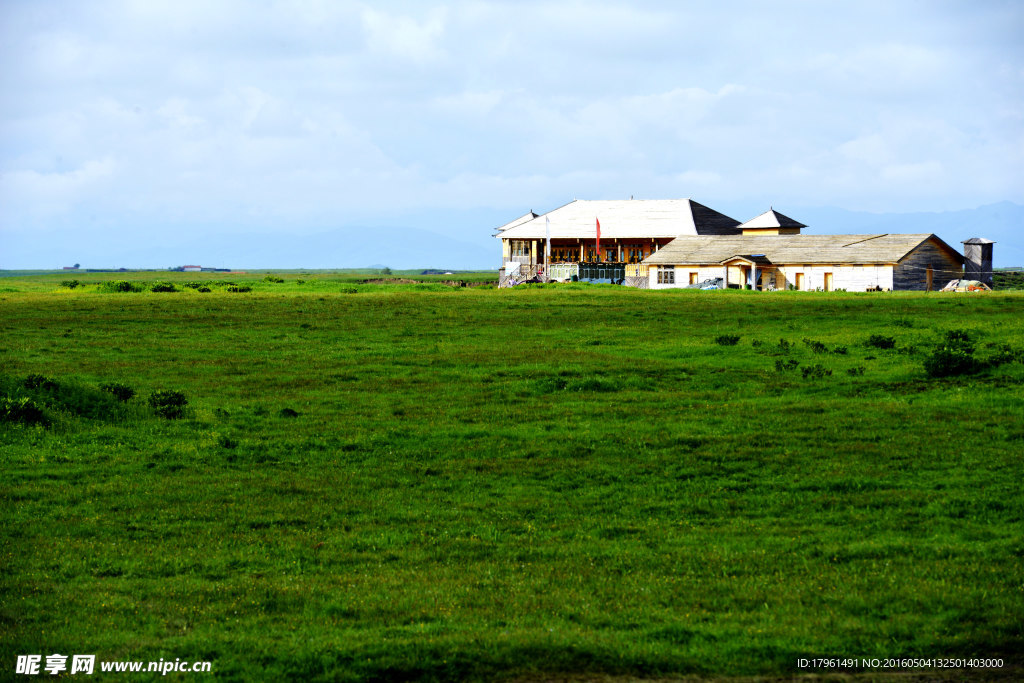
(192, 269)
(74, 267)
(978, 260)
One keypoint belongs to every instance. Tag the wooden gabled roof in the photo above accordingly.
(626, 219)
(795, 249)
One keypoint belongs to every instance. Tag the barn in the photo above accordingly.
(807, 262)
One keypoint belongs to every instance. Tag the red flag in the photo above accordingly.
(598, 238)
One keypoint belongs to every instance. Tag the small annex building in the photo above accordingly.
(808, 262)
(668, 243)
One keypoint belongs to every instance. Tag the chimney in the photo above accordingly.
(978, 260)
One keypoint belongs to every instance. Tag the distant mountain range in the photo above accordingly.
(460, 241)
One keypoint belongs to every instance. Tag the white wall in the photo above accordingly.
(850, 278)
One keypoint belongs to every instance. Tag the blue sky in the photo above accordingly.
(127, 122)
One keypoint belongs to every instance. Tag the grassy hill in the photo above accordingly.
(421, 481)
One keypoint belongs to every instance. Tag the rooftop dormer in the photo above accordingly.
(771, 222)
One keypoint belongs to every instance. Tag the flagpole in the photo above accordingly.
(547, 248)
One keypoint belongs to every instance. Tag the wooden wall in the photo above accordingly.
(912, 272)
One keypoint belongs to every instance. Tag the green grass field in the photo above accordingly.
(420, 481)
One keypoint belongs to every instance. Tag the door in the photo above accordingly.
(800, 281)
(828, 282)
(693, 278)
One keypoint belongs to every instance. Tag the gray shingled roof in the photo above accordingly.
(626, 219)
(792, 249)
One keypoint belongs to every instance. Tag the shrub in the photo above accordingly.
(950, 362)
(40, 382)
(815, 372)
(225, 441)
(727, 339)
(122, 286)
(953, 357)
(1004, 353)
(273, 279)
(840, 350)
(122, 392)
(785, 346)
(960, 339)
(288, 412)
(163, 287)
(239, 288)
(24, 410)
(855, 372)
(879, 341)
(168, 404)
(70, 284)
(204, 290)
(785, 365)
(816, 346)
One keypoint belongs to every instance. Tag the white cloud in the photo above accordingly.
(404, 36)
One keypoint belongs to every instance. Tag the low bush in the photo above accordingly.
(122, 392)
(1004, 353)
(40, 382)
(70, 284)
(947, 362)
(953, 357)
(239, 288)
(24, 410)
(855, 372)
(122, 286)
(727, 339)
(163, 287)
(273, 279)
(167, 403)
(288, 412)
(879, 341)
(815, 372)
(786, 365)
(816, 346)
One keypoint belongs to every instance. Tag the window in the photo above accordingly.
(520, 248)
(666, 275)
